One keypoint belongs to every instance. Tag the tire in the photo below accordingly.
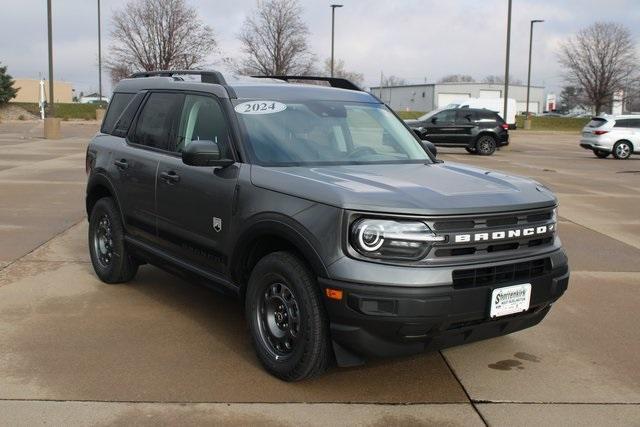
(622, 150)
(470, 150)
(109, 255)
(486, 145)
(601, 154)
(286, 318)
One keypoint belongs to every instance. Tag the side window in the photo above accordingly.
(464, 116)
(156, 121)
(624, 123)
(124, 122)
(446, 116)
(119, 102)
(202, 119)
(635, 123)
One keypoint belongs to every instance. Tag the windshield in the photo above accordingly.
(296, 133)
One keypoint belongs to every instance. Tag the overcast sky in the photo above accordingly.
(415, 39)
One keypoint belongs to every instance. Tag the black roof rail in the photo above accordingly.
(205, 76)
(333, 81)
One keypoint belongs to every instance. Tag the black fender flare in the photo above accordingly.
(280, 226)
(98, 179)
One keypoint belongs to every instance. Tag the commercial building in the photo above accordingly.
(29, 91)
(427, 97)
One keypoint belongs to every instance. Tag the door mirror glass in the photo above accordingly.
(203, 153)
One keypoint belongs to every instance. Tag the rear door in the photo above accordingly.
(195, 203)
(137, 163)
(465, 124)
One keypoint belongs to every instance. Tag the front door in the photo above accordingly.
(194, 203)
(440, 127)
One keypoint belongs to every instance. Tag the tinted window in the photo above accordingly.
(486, 115)
(635, 123)
(464, 116)
(119, 102)
(596, 122)
(625, 123)
(202, 119)
(446, 116)
(122, 125)
(156, 121)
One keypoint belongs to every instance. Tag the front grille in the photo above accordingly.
(518, 272)
(489, 223)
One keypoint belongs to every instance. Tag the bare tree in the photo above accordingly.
(494, 79)
(340, 71)
(393, 81)
(158, 35)
(274, 40)
(457, 78)
(600, 60)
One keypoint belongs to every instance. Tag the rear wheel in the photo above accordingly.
(109, 256)
(601, 154)
(622, 150)
(486, 145)
(288, 325)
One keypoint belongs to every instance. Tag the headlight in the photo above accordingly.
(375, 238)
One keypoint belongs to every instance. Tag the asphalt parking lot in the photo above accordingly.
(158, 350)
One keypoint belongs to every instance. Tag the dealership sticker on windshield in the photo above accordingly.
(260, 107)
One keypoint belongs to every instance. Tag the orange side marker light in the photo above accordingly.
(334, 293)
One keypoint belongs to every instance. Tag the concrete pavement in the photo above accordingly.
(158, 350)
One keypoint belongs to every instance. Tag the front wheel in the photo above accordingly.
(287, 321)
(601, 154)
(470, 150)
(486, 145)
(622, 150)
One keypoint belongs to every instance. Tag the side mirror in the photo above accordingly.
(430, 147)
(434, 120)
(418, 132)
(204, 153)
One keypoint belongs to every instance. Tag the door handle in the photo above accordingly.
(121, 164)
(170, 177)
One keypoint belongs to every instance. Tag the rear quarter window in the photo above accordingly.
(119, 102)
(596, 122)
(625, 123)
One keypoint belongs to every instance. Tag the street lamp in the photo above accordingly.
(506, 65)
(99, 57)
(333, 21)
(527, 121)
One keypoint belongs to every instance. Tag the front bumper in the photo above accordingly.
(384, 321)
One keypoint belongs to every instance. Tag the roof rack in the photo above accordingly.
(333, 81)
(215, 77)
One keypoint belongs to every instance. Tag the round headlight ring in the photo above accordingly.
(371, 237)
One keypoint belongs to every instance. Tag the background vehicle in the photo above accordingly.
(617, 135)
(479, 131)
(323, 212)
(493, 104)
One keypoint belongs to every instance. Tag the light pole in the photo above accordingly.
(506, 65)
(99, 57)
(50, 42)
(527, 119)
(333, 24)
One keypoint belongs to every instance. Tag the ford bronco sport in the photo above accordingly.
(316, 206)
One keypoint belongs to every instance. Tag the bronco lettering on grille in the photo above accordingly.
(504, 234)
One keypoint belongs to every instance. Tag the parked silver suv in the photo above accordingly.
(617, 135)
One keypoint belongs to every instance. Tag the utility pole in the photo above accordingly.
(49, 32)
(333, 24)
(99, 56)
(527, 119)
(506, 65)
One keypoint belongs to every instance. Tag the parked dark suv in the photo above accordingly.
(322, 212)
(477, 130)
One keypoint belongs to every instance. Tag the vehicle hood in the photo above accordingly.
(431, 189)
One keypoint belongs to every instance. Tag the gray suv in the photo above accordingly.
(316, 206)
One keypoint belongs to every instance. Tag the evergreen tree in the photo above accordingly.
(7, 91)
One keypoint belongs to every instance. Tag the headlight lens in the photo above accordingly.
(388, 239)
